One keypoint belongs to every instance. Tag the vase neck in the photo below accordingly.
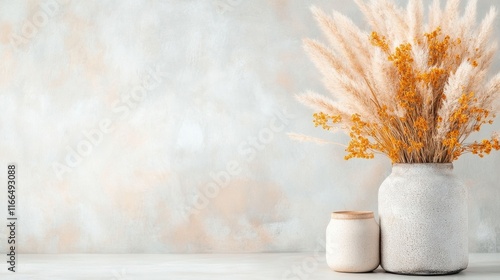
(422, 168)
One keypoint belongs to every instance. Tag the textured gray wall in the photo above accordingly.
(160, 126)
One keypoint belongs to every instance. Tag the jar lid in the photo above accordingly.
(352, 215)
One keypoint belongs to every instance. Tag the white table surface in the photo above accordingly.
(213, 266)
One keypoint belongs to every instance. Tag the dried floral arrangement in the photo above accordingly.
(411, 90)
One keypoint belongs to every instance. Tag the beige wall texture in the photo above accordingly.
(160, 126)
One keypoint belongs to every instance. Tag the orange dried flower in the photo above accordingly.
(413, 107)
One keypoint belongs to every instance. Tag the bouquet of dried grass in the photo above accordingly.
(409, 90)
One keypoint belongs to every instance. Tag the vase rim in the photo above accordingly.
(352, 215)
(424, 163)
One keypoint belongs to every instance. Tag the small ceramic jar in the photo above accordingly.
(352, 242)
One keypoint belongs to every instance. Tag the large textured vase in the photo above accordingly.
(423, 220)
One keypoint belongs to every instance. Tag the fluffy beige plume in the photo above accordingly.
(353, 92)
(468, 21)
(386, 18)
(306, 138)
(486, 58)
(373, 19)
(335, 34)
(338, 77)
(322, 103)
(325, 60)
(355, 37)
(346, 80)
(464, 81)
(482, 50)
(466, 29)
(456, 85)
(492, 94)
(415, 15)
(450, 18)
(384, 84)
(485, 30)
(460, 27)
(426, 91)
(396, 26)
(435, 15)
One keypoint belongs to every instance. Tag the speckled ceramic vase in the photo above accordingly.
(352, 242)
(423, 220)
